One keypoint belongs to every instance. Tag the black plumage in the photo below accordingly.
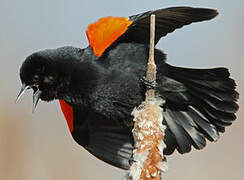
(199, 103)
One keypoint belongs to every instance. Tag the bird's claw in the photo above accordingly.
(148, 84)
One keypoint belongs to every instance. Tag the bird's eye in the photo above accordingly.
(48, 79)
(35, 78)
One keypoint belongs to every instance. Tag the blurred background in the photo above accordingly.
(39, 147)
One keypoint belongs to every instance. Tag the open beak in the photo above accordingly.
(36, 96)
(22, 91)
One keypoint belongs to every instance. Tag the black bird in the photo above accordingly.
(99, 86)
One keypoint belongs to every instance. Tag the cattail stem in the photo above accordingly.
(151, 66)
(148, 129)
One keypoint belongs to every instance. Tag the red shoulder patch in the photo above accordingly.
(105, 31)
(68, 114)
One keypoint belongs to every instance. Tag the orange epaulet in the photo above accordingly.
(105, 31)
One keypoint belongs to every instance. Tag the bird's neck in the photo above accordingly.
(82, 82)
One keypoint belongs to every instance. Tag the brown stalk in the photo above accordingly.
(148, 130)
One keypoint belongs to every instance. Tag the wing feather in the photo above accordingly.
(109, 31)
(203, 108)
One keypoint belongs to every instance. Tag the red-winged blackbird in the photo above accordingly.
(99, 86)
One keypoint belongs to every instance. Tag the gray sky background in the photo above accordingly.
(38, 146)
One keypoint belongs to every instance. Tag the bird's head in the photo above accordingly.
(47, 73)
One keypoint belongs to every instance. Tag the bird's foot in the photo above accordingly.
(148, 84)
(131, 160)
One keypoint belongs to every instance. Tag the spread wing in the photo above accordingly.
(200, 103)
(109, 31)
